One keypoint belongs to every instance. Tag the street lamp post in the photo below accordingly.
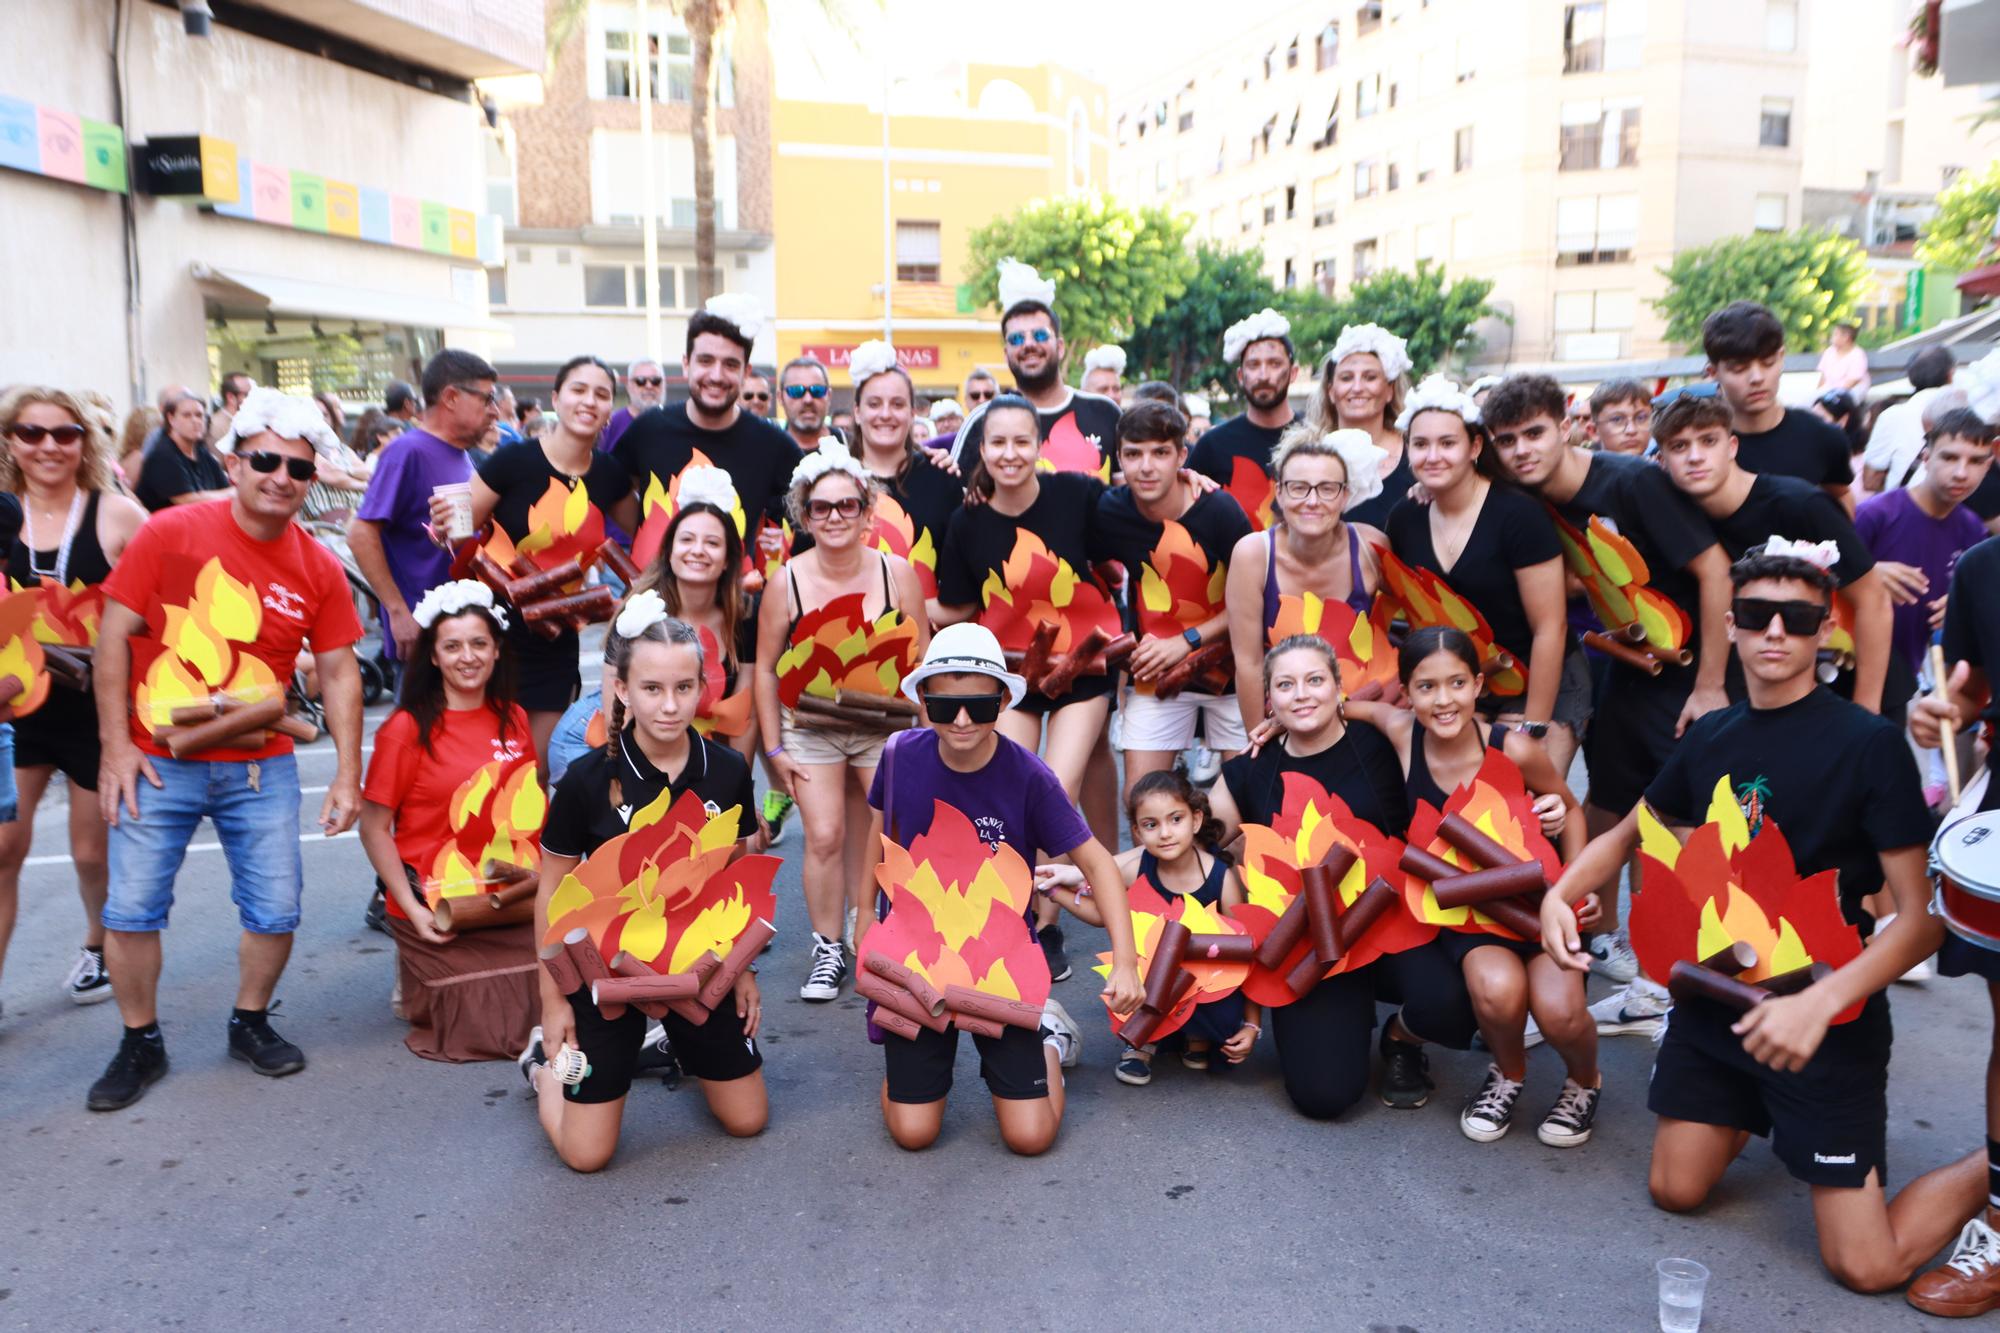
(888, 224)
(649, 233)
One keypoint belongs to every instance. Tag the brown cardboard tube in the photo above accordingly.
(1374, 902)
(1620, 651)
(748, 945)
(591, 604)
(908, 978)
(1221, 949)
(297, 728)
(545, 584)
(1284, 936)
(1463, 834)
(1515, 916)
(1689, 981)
(66, 662)
(1112, 654)
(888, 995)
(1668, 656)
(1145, 1022)
(618, 562)
(1309, 972)
(659, 986)
(589, 964)
(693, 1011)
(1164, 966)
(1035, 661)
(217, 732)
(497, 871)
(561, 970)
(1322, 917)
(491, 573)
(890, 1021)
(993, 1008)
(1483, 886)
(1063, 670)
(893, 704)
(1416, 861)
(193, 714)
(1183, 673)
(481, 911)
(1632, 633)
(811, 710)
(1796, 980)
(1732, 959)
(977, 1026)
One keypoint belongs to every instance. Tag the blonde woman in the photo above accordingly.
(1362, 381)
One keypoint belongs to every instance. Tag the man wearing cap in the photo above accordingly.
(1237, 453)
(206, 612)
(645, 389)
(1104, 371)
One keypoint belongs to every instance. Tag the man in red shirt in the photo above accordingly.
(211, 603)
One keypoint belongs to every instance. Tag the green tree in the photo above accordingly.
(1962, 232)
(1434, 316)
(1115, 269)
(1183, 343)
(1810, 279)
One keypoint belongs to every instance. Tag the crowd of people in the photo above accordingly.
(1230, 554)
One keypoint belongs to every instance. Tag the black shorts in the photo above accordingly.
(546, 676)
(1632, 733)
(61, 733)
(1012, 1064)
(716, 1051)
(1573, 696)
(1085, 689)
(1827, 1123)
(1456, 944)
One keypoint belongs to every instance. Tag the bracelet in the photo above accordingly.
(1082, 893)
(1253, 1027)
(774, 752)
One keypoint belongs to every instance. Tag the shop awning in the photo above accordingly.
(1981, 281)
(263, 293)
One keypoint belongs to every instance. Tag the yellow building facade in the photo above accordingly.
(965, 145)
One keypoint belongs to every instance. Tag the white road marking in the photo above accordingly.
(63, 859)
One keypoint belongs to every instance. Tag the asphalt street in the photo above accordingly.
(377, 1190)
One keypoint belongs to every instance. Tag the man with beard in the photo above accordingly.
(1237, 453)
(712, 428)
(806, 396)
(645, 388)
(1079, 430)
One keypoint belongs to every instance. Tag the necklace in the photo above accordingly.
(62, 552)
(1449, 536)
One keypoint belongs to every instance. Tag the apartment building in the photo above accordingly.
(568, 180)
(1563, 150)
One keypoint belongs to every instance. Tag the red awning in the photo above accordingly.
(1981, 281)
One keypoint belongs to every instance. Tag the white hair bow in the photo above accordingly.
(456, 598)
(1362, 458)
(831, 456)
(1820, 555)
(641, 612)
(287, 415)
(708, 485)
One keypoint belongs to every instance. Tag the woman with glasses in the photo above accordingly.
(1362, 381)
(179, 468)
(832, 497)
(1314, 548)
(74, 524)
(515, 488)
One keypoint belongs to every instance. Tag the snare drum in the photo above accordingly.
(1965, 863)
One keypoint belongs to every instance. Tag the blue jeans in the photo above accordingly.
(10, 800)
(568, 743)
(258, 830)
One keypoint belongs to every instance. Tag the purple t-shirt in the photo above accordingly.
(619, 421)
(1895, 527)
(1015, 799)
(399, 499)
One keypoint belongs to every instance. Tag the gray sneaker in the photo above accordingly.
(88, 982)
(1635, 1011)
(1059, 1031)
(1611, 957)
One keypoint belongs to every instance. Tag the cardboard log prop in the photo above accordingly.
(613, 557)
(1416, 861)
(1690, 981)
(893, 705)
(1483, 886)
(907, 978)
(1373, 902)
(1163, 974)
(890, 1021)
(67, 666)
(1035, 661)
(962, 1000)
(482, 911)
(1320, 887)
(1209, 657)
(812, 710)
(1221, 949)
(748, 945)
(1732, 959)
(1796, 980)
(888, 995)
(297, 728)
(655, 988)
(544, 584)
(977, 1026)
(1511, 913)
(217, 705)
(1144, 1022)
(1463, 834)
(589, 965)
(1284, 936)
(212, 734)
(1619, 650)
(586, 607)
(1516, 916)
(506, 872)
(1063, 670)
(561, 968)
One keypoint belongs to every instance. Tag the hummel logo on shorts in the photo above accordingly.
(1824, 1160)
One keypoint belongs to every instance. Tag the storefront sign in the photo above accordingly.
(45, 141)
(836, 354)
(189, 166)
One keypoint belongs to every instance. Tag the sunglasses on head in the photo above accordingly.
(298, 469)
(943, 709)
(648, 381)
(821, 510)
(1799, 618)
(1039, 335)
(63, 435)
(796, 391)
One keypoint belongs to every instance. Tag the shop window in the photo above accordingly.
(919, 252)
(605, 285)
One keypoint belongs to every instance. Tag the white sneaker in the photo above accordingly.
(1611, 957)
(532, 1058)
(1531, 1034)
(1920, 971)
(829, 967)
(1059, 1031)
(1636, 1010)
(88, 982)
(1490, 1113)
(1204, 766)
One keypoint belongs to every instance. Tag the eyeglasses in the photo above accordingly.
(1039, 335)
(491, 397)
(1799, 618)
(798, 391)
(647, 381)
(1329, 492)
(820, 510)
(981, 708)
(1622, 421)
(298, 469)
(977, 396)
(62, 435)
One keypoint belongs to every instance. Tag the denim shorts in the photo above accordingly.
(570, 741)
(10, 800)
(258, 830)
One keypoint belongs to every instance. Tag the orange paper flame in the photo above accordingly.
(1496, 802)
(1035, 585)
(1422, 598)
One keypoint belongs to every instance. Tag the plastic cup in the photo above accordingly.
(459, 494)
(1682, 1282)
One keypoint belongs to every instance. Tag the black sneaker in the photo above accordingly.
(254, 1042)
(140, 1063)
(829, 969)
(1051, 938)
(376, 917)
(656, 1056)
(1406, 1074)
(1135, 1067)
(1569, 1121)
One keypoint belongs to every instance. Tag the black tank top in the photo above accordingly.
(1420, 785)
(1208, 895)
(87, 562)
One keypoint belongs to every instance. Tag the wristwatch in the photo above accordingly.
(1193, 637)
(1538, 730)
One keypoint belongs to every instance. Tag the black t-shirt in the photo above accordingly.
(1235, 446)
(1080, 435)
(581, 817)
(1395, 490)
(1360, 768)
(758, 457)
(1788, 507)
(166, 472)
(1511, 533)
(928, 497)
(1838, 780)
(1985, 498)
(1170, 594)
(1801, 445)
(981, 539)
(521, 475)
(11, 521)
(1972, 616)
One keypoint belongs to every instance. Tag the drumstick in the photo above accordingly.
(1946, 731)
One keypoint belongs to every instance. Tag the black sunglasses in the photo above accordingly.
(763, 397)
(647, 381)
(298, 469)
(979, 395)
(801, 390)
(63, 435)
(943, 709)
(1800, 618)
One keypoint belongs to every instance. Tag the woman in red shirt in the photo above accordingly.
(469, 995)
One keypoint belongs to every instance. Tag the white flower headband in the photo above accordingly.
(1266, 323)
(1109, 357)
(456, 598)
(1019, 282)
(1483, 383)
(1197, 405)
(708, 485)
(740, 309)
(1438, 394)
(288, 415)
(642, 611)
(872, 358)
(831, 456)
(1820, 555)
(1362, 458)
(946, 407)
(1391, 351)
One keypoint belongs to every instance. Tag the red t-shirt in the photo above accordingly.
(419, 784)
(224, 612)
